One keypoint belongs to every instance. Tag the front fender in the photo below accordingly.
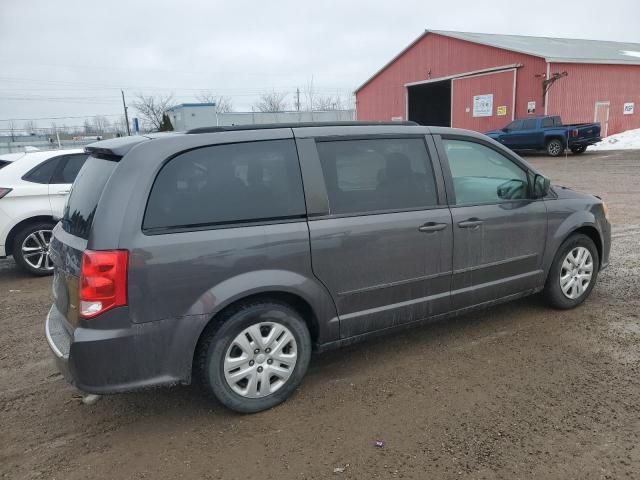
(559, 231)
(247, 284)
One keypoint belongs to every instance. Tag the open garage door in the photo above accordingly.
(483, 102)
(430, 103)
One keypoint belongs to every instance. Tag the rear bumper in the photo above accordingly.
(585, 142)
(119, 360)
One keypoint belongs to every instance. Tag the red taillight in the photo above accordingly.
(103, 281)
(574, 132)
(4, 191)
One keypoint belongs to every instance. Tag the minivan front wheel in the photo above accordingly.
(31, 248)
(256, 358)
(573, 273)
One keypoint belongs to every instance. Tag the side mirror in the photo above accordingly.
(512, 190)
(541, 186)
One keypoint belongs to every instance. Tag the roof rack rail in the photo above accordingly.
(264, 126)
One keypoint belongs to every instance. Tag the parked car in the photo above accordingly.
(33, 189)
(7, 158)
(227, 254)
(547, 134)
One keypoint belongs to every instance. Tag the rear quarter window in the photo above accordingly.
(43, 172)
(85, 195)
(227, 184)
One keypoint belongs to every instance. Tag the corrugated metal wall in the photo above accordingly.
(499, 84)
(434, 56)
(574, 97)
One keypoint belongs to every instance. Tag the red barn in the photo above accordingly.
(482, 81)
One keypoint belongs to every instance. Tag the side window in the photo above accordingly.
(43, 172)
(482, 175)
(375, 175)
(517, 125)
(226, 184)
(529, 124)
(70, 169)
(547, 122)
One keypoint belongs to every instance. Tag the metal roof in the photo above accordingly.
(191, 105)
(565, 50)
(570, 50)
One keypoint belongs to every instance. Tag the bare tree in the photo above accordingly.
(101, 124)
(152, 108)
(88, 128)
(29, 127)
(12, 130)
(332, 102)
(310, 94)
(329, 102)
(223, 104)
(271, 102)
(120, 126)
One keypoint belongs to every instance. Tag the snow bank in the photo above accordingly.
(629, 140)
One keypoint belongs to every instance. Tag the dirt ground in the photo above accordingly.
(518, 391)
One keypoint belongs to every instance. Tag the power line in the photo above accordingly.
(60, 118)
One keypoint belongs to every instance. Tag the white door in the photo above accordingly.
(601, 116)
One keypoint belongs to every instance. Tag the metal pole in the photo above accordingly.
(126, 115)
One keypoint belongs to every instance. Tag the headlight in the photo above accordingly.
(605, 209)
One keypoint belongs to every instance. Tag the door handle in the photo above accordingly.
(432, 227)
(470, 223)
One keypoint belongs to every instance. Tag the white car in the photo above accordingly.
(33, 190)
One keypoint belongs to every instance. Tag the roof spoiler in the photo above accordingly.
(114, 148)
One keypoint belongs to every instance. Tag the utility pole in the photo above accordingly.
(126, 115)
(298, 99)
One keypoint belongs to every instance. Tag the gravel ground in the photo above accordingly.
(518, 391)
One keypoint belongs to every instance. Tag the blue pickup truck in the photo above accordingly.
(547, 133)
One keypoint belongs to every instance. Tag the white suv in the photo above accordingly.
(33, 189)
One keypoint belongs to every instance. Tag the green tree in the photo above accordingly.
(165, 126)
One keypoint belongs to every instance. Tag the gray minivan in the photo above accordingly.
(227, 255)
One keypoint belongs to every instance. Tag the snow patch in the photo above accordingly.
(629, 140)
(630, 53)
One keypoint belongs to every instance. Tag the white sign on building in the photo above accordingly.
(483, 105)
(628, 108)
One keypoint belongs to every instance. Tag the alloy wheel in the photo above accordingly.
(35, 250)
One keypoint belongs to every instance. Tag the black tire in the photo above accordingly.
(579, 150)
(18, 254)
(555, 148)
(552, 291)
(218, 339)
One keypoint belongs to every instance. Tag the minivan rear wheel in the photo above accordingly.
(257, 356)
(31, 248)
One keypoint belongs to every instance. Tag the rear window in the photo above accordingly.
(85, 194)
(227, 184)
(3, 163)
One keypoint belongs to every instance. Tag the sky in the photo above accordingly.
(62, 61)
